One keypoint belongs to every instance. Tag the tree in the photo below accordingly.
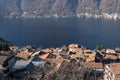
(99, 47)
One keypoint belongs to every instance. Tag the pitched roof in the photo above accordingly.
(44, 56)
(86, 50)
(115, 67)
(24, 54)
(20, 65)
(78, 55)
(92, 65)
(90, 57)
(96, 66)
(5, 53)
(47, 50)
(35, 53)
(59, 57)
(76, 50)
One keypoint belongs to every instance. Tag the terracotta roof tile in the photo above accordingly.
(35, 53)
(24, 54)
(92, 65)
(77, 50)
(90, 57)
(47, 50)
(86, 51)
(78, 55)
(115, 67)
(44, 56)
(59, 57)
(5, 53)
(96, 66)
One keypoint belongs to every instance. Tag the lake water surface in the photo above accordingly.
(55, 32)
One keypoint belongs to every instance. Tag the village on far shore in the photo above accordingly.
(71, 62)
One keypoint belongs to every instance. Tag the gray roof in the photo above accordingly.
(29, 64)
(21, 65)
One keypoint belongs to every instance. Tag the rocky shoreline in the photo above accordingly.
(113, 16)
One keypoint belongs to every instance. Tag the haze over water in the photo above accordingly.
(55, 32)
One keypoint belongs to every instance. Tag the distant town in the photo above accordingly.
(68, 62)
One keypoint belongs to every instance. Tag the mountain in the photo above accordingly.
(60, 8)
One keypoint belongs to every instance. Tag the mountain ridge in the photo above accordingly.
(60, 8)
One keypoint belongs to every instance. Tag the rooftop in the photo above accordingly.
(110, 51)
(5, 53)
(24, 54)
(35, 53)
(20, 65)
(44, 56)
(96, 66)
(73, 46)
(110, 57)
(115, 67)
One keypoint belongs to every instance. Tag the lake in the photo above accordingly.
(55, 32)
